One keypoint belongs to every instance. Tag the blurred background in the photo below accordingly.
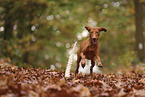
(41, 33)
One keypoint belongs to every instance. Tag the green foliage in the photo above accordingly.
(44, 30)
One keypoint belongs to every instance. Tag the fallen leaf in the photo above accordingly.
(139, 92)
(82, 90)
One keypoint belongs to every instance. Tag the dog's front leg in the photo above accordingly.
(97, 53)
(99, 61)
(83, 59)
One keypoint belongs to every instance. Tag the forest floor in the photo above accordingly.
(33, 82)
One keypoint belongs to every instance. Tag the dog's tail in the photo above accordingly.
(67, 72)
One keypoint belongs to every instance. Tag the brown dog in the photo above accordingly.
(89, 49)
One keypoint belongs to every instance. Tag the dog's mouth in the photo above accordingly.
(94, 40)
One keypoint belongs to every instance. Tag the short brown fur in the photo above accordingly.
(89, 49)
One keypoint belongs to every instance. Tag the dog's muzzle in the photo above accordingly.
(94, 40)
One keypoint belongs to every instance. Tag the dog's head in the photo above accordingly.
(95, 33)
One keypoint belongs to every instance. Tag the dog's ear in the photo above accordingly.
(102, 29)
(88, 28)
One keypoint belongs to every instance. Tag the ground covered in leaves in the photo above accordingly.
(33, 82)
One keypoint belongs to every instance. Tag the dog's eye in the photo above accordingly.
(96, 32)
(91, 32)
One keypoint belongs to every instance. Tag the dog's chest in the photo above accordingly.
(90, 52)
(91, 48)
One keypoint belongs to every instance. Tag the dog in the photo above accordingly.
(89, 49)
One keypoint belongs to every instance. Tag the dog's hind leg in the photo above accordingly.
(78, 61)
(92, 65)
(82, 60)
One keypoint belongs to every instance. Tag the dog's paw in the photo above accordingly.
(100, 65)
(83, 63)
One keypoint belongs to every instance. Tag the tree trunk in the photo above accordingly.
(139, 38)
(8, 24)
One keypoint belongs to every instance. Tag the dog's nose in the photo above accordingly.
(95, 38)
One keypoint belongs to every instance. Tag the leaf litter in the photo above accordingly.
(37, 82)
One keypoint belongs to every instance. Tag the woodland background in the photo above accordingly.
(41, 33)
